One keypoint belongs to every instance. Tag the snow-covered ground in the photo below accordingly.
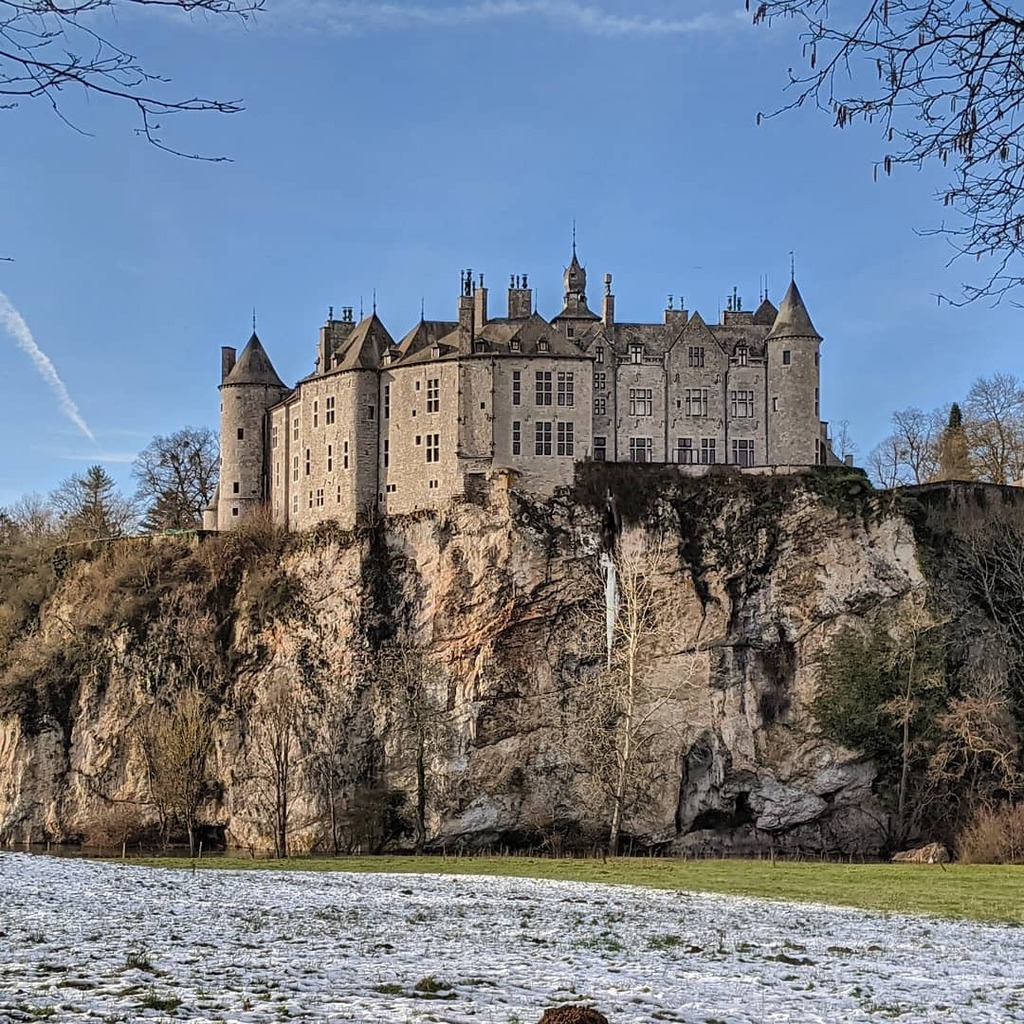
(106, 942)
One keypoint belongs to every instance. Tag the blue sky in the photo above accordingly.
(388, 146)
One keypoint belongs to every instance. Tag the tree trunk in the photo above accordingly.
(421, 792)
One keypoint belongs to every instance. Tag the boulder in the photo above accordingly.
(933, 853)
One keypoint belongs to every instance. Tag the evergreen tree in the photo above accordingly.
(954, 452)
(89, 506)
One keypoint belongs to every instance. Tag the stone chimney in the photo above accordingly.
(608, 303)
(332, 335)
(520, 298)
(467, 306)
(480, 303)
(227, 361)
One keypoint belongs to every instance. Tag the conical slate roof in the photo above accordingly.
(254, 367)
(793, 320)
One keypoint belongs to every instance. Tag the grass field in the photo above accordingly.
(974, 892)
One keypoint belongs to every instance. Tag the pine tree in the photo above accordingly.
(954, 452)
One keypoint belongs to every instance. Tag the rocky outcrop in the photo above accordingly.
(931, 853)
(503, 598)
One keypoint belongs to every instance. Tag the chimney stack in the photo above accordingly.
(227, 361)
(608, 303)
(520, 298)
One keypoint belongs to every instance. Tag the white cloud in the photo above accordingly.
(97, 457)
(19, 330)
(351, 17)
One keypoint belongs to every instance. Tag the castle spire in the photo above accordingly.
(793, 320)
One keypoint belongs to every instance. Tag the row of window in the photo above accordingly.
(548, 438)
(641, 450)
(542, 392)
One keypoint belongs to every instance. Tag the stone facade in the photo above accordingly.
(396, 428)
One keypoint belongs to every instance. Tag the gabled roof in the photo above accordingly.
(364, 348)
(793, 320)
(425, 334)
(765, 314)
(254, 367)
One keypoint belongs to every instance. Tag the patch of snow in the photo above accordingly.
(88, 941)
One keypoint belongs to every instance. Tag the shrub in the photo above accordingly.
(994, 836)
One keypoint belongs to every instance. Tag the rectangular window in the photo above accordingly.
(697, 356)
(696, 401)
(310, 499)
(707, 451)
(433, 447)
(320, 497)
(817, 402)
(570, 332)
(517, 387)
(277, 474)
(600, 406)
(386, 413)
(295, 429)
(641, 401)
(684, 451)
(741, 404)
(517, 437)
(330, 458)
(600, 449)
(234, 511)
(640, 449)
(566, 439)
(742, 452)
(543, 387)
(434, 395)
(307, 462)
(600, 380)
(542, 438)
(295, 504)
(636, 353)
(599, 352)
(369, 412)
(344, 455)
(741, 355)
(566, 389)
(329, 411)
(787, 357)
(295, 467)
(273, 437)
(241, 434)
(235, 487)
(387, 452)
(316, 414)
(339, 494)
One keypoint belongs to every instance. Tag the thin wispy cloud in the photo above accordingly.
(357, 16)
(100, 457)
(15, 325)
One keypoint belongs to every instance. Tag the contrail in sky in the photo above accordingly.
(18, 329)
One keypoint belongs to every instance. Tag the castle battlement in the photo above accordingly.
(395, 427)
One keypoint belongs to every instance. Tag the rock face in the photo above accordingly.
(503, 597)
(932, 853)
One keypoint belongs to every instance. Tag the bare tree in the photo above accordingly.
(273, 759)
(843, 444)
(995, 427)
(909, 455)
(29, 519)
(49, 49)
(413, 689)
(624, 710)
(943, 81)
(177, 476)
(176, 743)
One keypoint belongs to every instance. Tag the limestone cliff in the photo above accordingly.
(500, 594)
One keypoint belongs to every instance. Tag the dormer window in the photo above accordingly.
(515, 345)
(741, 355)
(479, 346)
(636, 353)
(435, 352)
(570, 332)
(599, 353)
(542, 345)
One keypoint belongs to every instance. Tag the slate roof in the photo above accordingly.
(254, 367)
(793, 320)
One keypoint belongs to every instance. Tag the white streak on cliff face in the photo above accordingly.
(15, 324)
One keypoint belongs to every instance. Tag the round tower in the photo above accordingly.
(249, 387)
(793, 381)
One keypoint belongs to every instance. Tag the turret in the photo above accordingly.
(249, 388)
(575, 281)
(794, 415)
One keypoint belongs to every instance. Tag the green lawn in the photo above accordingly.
(983, 893)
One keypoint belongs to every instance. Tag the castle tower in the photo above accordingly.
(249, 387)
(794, 417)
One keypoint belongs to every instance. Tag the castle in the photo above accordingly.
(402, 427)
